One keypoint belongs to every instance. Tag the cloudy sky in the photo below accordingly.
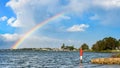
(83, 21)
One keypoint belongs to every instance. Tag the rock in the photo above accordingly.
(106, 61)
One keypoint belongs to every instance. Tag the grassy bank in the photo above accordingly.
(116, 55)
(106, 51)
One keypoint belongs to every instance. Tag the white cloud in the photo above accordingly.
(13, 22)
(108, 4)
(29, 13)
(10, 37)
(3, 18)
(7, 40)
(78, 28)
(78, 6)
(35, 41)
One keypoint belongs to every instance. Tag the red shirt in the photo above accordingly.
(81, 52)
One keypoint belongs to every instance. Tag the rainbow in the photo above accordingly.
(32, 30)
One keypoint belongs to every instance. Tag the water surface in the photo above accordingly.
(50, 59)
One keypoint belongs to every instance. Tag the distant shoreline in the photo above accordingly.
(59, 49)
(39, 49)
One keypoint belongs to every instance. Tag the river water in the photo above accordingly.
(50, 59)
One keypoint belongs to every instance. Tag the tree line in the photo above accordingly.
(107, 43)
(71, 48)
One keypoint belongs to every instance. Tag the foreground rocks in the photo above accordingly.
(106, 61)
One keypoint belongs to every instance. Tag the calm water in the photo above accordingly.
(44, 59)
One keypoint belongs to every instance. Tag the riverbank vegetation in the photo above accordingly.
(68, 48)
(84, 46)
(116, 55)
(107, 44)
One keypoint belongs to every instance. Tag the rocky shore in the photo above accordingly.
(106, 61)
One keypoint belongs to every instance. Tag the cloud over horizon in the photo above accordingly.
(79, 16)
(7, 40)
(34, 41)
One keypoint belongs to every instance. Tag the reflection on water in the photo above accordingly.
(81, 65)
(44, 59)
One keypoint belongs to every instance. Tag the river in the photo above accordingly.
(50, 59)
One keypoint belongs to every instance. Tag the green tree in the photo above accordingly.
(107, 43)
(71, 48)
(85, 46)
(95, 47)
(67, 47)
(110, 43)
(118, 44)
(98, 46)
(63, 46)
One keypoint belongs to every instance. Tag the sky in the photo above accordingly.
(82, 21)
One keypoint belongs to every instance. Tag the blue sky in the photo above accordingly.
(83, 21)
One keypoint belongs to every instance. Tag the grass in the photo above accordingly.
(116, 55)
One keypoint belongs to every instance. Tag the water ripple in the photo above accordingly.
(44, 59)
